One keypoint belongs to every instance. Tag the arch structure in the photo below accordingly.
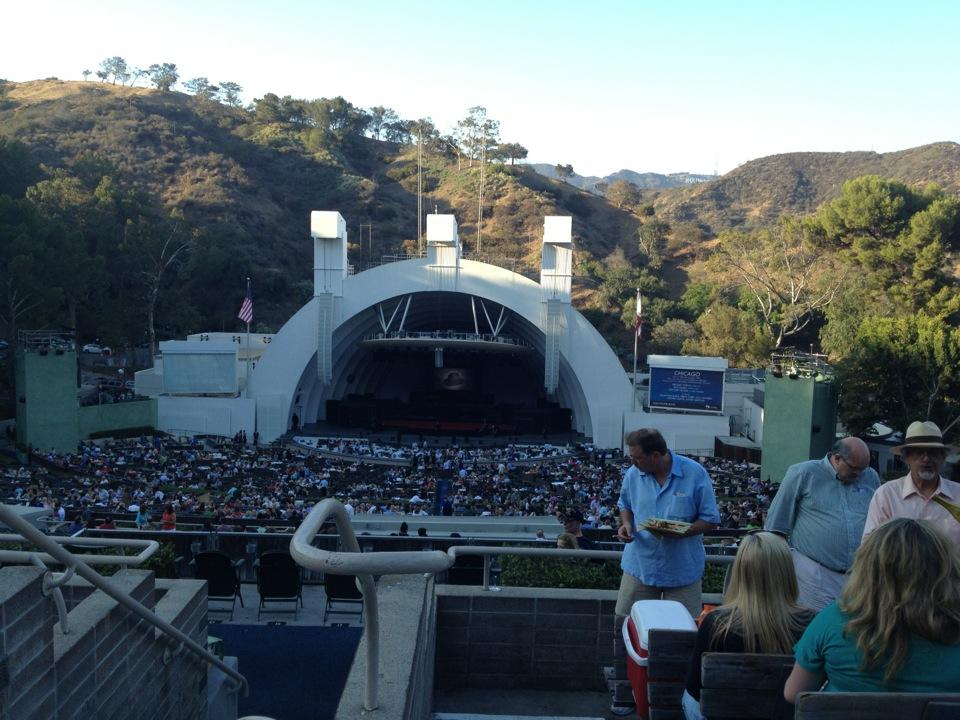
(326, 350)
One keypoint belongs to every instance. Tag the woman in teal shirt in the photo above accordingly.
(896, 626)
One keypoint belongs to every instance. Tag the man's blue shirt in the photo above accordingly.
(687, 496)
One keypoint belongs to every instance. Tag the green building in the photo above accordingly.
(799, 413)
(49, 416)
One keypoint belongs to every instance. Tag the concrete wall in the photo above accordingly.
(528, 638)
(110, 664)
(206, 416)
(117, 416)
(406, 653)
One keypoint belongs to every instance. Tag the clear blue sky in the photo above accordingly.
(651, 86)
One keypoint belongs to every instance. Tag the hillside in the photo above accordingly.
(644, 181)
(245, 182)
(252, 184)
(757, 192)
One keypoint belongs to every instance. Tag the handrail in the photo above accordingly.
(61, 555)
(149, 548)
(365, 565)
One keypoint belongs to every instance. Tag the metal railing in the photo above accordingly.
(366, 565)
(55, 552)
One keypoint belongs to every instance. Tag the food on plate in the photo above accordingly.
(663, 525)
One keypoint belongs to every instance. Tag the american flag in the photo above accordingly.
(638, 323)
(246, 309)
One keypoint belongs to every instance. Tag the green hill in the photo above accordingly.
(758, 192)
(243, 183)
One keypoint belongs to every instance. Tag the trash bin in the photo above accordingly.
(646, 615)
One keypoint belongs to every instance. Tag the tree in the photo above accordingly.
(564, 172)
(898, 238)
(115, 68)
(24, 261)
(668, 338)
(17, 171)
(74, 217)
(622, 192)
(511, 152)
(336, 117)
(163, 250)
(651, 239)
(163, 76)
(229, 93)
(201, 88)
(789, 277)
(904, 368)
(728, 332)
(380, 118)
(136, 74)
(86, 74)
(477, 133)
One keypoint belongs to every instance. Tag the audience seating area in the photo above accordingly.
(745, 685)
(878, 706)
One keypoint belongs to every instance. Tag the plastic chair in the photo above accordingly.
(342, 589)
(222, 576)
(279, 579)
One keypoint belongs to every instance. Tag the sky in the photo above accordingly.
(663, 87)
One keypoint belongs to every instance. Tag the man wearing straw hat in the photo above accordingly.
(922, 494)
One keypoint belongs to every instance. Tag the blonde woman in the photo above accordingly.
(760, 613)
(896, 626)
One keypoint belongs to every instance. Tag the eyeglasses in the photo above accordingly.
(853, 468)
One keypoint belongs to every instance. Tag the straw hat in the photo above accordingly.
(922, 434)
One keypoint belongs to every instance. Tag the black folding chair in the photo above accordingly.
(342, 589)
(222, 576)
(279, 580)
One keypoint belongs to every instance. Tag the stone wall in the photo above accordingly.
(110, 664)
(407, 625)
(523, 638)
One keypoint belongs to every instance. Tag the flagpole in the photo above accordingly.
(246, 389)
(636, 336)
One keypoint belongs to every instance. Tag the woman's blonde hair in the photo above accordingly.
(905, 581)
(761, 600)
(567, 541)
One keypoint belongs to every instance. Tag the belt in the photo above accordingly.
(827, 567)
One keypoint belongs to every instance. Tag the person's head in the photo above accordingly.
(421, 532)
(923, 451)
(567, 541)
(646, 449)
(849, 456)
(762, 594)
(572, 520)
(905, 581)
(404, 528)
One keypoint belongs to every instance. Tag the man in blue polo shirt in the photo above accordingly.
(660, 565)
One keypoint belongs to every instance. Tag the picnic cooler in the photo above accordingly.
(646, 615)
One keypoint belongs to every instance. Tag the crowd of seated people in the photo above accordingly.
(225, 481)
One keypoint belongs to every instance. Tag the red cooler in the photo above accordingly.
(646, 615)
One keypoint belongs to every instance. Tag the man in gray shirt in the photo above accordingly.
(821, 507)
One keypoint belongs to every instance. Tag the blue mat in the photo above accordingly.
(295, 673)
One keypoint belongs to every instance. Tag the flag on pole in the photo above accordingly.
(246, 309)
(638, 323)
